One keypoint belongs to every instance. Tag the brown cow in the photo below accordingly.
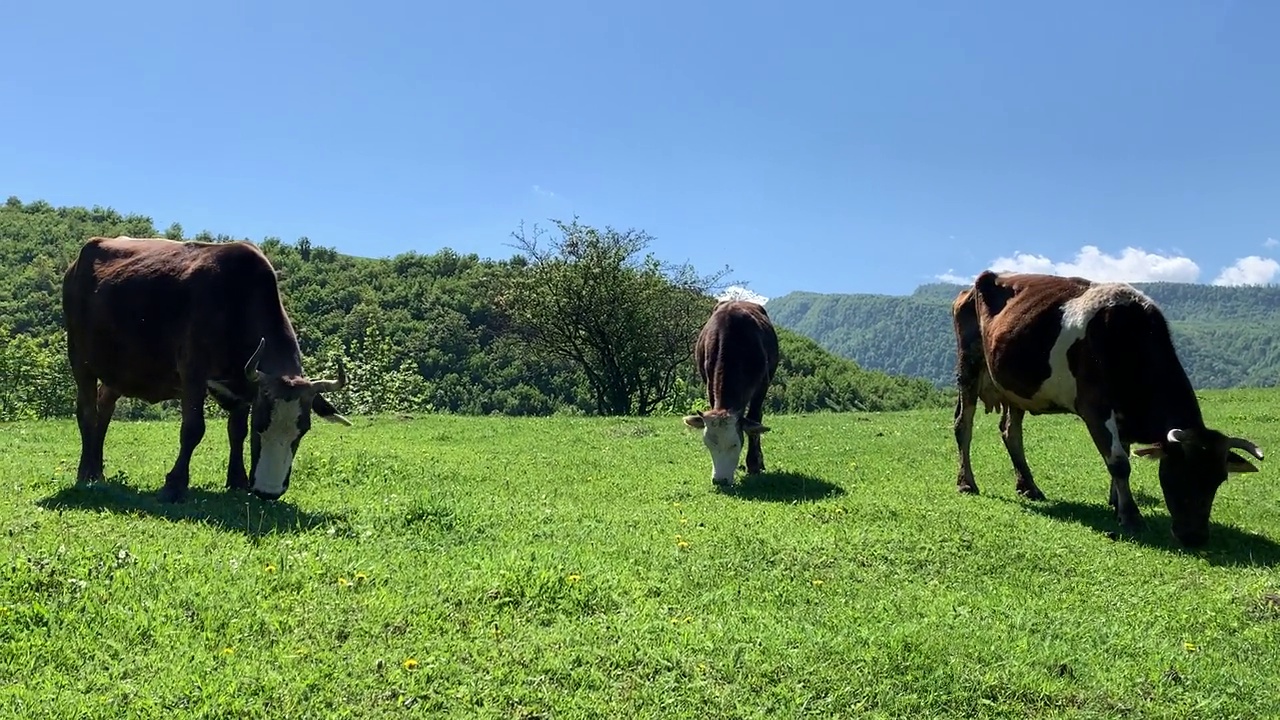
(736, 355)
(1042, 344)
(158, 319)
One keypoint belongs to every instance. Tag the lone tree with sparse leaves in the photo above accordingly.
(627, 321)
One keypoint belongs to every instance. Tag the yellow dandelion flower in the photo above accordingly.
(269, 568)
(675, 504)
(684, 520)
(817, 583)
(682, 544)
(361, 577)
(675, 621)
(573, 578)
(228, 650)
(1189, 646)
(702, 667)
(343, 582)
(410, 664)
(688, 619)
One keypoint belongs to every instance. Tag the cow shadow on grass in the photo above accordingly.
(232, 511)
(1227, 545)
(782, 487)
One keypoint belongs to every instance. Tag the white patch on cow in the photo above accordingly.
(722, 438)
(276, 447)
(1117, 448)
(1059, 390)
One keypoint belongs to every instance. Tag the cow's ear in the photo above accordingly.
(695, 421)
(751, 427)
(327, 412)
(1237, 464)
(1151, 453)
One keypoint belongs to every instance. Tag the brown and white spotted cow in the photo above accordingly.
(1042, 344)
(157, 319)
(737, 356)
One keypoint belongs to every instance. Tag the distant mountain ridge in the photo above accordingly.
(1225, 336)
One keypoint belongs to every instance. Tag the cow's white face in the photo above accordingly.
(722, 433)
(277, 442)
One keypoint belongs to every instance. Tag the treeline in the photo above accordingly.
(418, 332)
(1225, 336)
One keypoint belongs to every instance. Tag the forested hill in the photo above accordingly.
(420, 332)
(1226, 336)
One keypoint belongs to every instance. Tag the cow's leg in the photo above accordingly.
(90, 467)
(106, 409)
(237, 431)
(966, 404)
(1115, 452)
(1011, 432)
(755, 413)
(192, 432)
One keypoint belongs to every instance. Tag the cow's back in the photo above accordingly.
(1013, 337)
(736, 352)
(133, 307)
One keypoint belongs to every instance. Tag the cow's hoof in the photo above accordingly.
(1031, 492)
(721, 483)
(171, 495)
(967, 488)
(234, 484)
(1132, 524)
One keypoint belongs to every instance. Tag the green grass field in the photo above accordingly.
(521, 568)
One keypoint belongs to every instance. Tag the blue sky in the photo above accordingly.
(833, 147)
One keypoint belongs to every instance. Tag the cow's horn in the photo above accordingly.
(251, 367)
(1177, 435)
(324, 386)
(1245, 445)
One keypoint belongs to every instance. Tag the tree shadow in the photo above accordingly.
(782, 487)
(1227, 545)
(238, 512)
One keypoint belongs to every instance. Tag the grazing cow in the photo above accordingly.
(737, 355)
(1042, 344)
(157, 319)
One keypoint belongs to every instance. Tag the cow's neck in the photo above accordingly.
(1173, 404)
(281, 357)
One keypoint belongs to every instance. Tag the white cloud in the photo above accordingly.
(1252, 270)
(950, 277)
(737, 292)
(1131, 265)
(543, 191)
(1270, 243)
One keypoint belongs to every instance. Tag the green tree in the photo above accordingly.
(627, 322)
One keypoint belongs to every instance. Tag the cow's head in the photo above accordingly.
(281, 415)
(1193, 464)
(722, 433)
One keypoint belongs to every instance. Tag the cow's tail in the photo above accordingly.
(77, 285)
(970, 312)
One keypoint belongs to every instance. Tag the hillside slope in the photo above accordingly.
(1226, 336)
(420, 332)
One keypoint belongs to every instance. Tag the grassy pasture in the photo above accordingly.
(567, 567)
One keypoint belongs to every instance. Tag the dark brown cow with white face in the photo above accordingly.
(737, 355)
(1042, 344)
(157, 319)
